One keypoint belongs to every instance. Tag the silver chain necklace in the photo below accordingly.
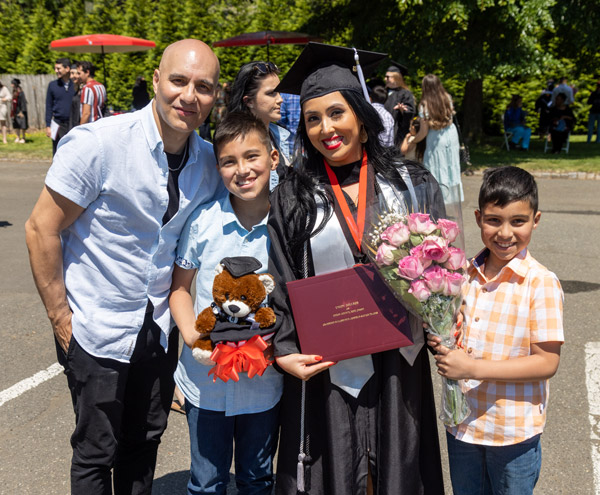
(183, 157)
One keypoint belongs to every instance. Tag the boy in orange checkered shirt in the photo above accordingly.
(512, 340)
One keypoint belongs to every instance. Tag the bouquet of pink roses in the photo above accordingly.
(418, 261)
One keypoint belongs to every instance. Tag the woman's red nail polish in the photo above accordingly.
(319, 358)
(456, 333)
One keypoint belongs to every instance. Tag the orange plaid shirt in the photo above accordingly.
(520, 306)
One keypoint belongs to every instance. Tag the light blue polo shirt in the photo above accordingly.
(117, 254)
(212, 233)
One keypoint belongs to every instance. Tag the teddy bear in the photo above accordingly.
(237, 312)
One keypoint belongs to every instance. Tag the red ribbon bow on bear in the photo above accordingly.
(232, 360)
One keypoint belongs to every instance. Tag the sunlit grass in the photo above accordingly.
(37, 147)
(582, 157)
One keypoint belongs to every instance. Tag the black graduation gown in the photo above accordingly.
(401, 119)
(389, 429)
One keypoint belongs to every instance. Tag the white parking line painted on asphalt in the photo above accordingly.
(29, 383)
(592, 374)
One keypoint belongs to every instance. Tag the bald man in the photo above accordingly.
(101, 240)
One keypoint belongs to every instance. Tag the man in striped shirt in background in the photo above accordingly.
(93, 93)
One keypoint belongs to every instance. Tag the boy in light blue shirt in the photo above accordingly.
(234, 225)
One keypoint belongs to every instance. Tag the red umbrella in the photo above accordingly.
(101, 43)
(267, 38)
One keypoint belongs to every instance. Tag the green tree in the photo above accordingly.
(125, 67)
(70, 19)
(465, 38)
(105, 17)
(577, 33)
(13, 31)
(36, 58)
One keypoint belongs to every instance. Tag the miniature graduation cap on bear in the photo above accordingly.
(322, 69)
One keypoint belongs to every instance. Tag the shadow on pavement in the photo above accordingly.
(575, 286)
(171, 483)
(176, 483)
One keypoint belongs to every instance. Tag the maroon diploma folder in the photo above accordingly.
(347, 313)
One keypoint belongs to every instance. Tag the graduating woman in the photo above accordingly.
(366, 424)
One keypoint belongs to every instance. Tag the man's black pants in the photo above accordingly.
(121, 412)
(63, 128)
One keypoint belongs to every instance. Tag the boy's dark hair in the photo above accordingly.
(238, 125)
(65, 62)
(505, 185)
(87, 67)
(379, 95)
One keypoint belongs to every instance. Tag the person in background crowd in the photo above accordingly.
(400, 101)
(102, 239)
(204, 130)
(563, 87)
(290, 116)
(5, 99)
(93, 93)
(378, 97)
(19, 111)
(253, 91)
(442, 150)
(542, 106)
(562, 122)
(58, 102)
(74, 114)
(514, 121)
(594, 117)
(410, 148)
(220, 108)
(139, 93)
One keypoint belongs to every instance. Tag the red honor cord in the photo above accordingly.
(356, 230)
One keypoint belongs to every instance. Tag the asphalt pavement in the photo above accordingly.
(36, 424)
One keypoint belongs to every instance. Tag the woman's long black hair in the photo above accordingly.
(247, 82)
(298, 189)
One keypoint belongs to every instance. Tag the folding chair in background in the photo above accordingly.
(507, 136)
(548, 143)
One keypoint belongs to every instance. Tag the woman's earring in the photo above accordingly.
(363, 136)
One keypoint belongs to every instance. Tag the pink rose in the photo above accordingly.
(410, 267)
(449, 229)
(418, 252)
(420, 223)
(435, 278)
(418, 288)
(435, 248)
(454, 282)
(396, 234)
(456, 259)
(385, 254)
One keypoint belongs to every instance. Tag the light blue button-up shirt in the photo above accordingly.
(117, 255)
(212, 233)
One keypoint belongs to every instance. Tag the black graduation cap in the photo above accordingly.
(397, 67)
(241, 265)
(322, 69)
